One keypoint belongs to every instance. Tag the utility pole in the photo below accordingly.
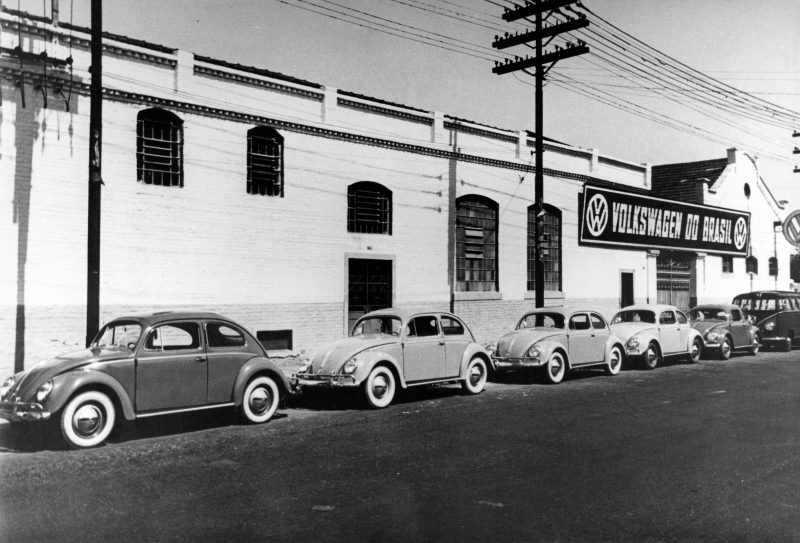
(95, 177)
(796, 150)
(538, 8)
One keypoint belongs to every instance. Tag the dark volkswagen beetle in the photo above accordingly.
(724, 328)
(145, 366)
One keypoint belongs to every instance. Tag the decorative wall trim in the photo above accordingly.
(353, 104)
(621, 164)
(257, 82)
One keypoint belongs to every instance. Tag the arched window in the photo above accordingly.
(159, 148)
(369, 208)
(549, 245)
(751, 264)
(476, 244)
(264, 161)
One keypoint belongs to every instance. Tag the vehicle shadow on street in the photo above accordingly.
(537, 377)
(47, 435)
(353, 400)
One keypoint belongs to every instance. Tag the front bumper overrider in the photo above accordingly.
(19, 411)
(509, 363)
(312, 380)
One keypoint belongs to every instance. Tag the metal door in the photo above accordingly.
(369, 287)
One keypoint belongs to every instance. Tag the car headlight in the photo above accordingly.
(44, 391)
(534, 351)
(770, 326)
(351, 365)
(712, 336)
(6, 386)
(632, 342)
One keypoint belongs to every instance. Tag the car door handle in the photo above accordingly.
(200, 359)
(441, 342)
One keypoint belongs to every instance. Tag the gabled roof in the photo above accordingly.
(684, 181)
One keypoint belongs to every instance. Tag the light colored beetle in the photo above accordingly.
(559, 340)
(391, 348)
(651, 332)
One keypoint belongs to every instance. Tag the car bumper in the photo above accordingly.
(773, 341)
(17, 411)
(504, 363)
(310, 380)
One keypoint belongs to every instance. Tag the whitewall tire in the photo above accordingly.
(379, 388)
(87, 419)
(476, 375)
(260, 399)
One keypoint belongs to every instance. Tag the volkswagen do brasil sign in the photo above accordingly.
(615, 218)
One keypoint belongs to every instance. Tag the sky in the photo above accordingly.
(436, 55)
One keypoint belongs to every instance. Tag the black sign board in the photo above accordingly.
(621, 219)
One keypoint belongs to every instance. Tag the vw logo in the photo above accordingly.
(596, 215)
(740, 233)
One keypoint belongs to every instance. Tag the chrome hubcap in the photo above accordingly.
(726, 348)
(615, 359)
(555, 367)
(695, 350)
(651, 357)
(88, 420)
(260, 400)
(380, 385)
(475, 374)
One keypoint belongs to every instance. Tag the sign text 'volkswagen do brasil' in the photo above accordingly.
(617, 218)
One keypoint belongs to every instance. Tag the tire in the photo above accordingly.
(753, 350)
(260, 399)
(476, 375)
(379, 388)
(696, 351)
(87, 419)
(555, 368)
(651, 357)
(725, 349)
(614, 361)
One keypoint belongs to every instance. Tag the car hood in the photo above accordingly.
(626, 330)
(515, 344)
(32, 379)
(705, 326)
(332, 356)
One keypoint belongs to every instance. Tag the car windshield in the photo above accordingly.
(708, 314)
(634, 315)
(119, 334)
(541, 320)
(378, 325)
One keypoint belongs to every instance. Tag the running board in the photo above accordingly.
(186, 410)
(433, 382)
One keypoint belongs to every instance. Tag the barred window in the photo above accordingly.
(476, 244)
(159, 148)
(264, 162)
(369, 208)
(549, 246)
(751, 265)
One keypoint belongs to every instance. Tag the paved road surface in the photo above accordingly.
(706, 452)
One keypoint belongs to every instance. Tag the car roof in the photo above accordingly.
(562, 310)
(149, 319)
(405, 314)
(711, 306)
(650, 307)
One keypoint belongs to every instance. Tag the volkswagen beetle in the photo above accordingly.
(724, 328)
(145, 366)
(651, 332)
(559, 340)
(394, 348)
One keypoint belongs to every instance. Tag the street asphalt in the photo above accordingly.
(703, 452)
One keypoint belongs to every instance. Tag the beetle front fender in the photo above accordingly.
(254, 366)
(67, 384)
(372, 359)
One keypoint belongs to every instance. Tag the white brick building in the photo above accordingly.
(349, 202)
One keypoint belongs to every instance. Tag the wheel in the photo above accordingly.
(555, 368)
(475, 379)
(87, 419)
(754, 348)
(696, 350)
(725, 349)
(614, 361)
(379, 387)
(260, 399)
(651, 357)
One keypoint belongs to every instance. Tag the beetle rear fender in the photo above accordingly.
(473, 350)
(68, 384)
(258, 365)
(694, 334)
